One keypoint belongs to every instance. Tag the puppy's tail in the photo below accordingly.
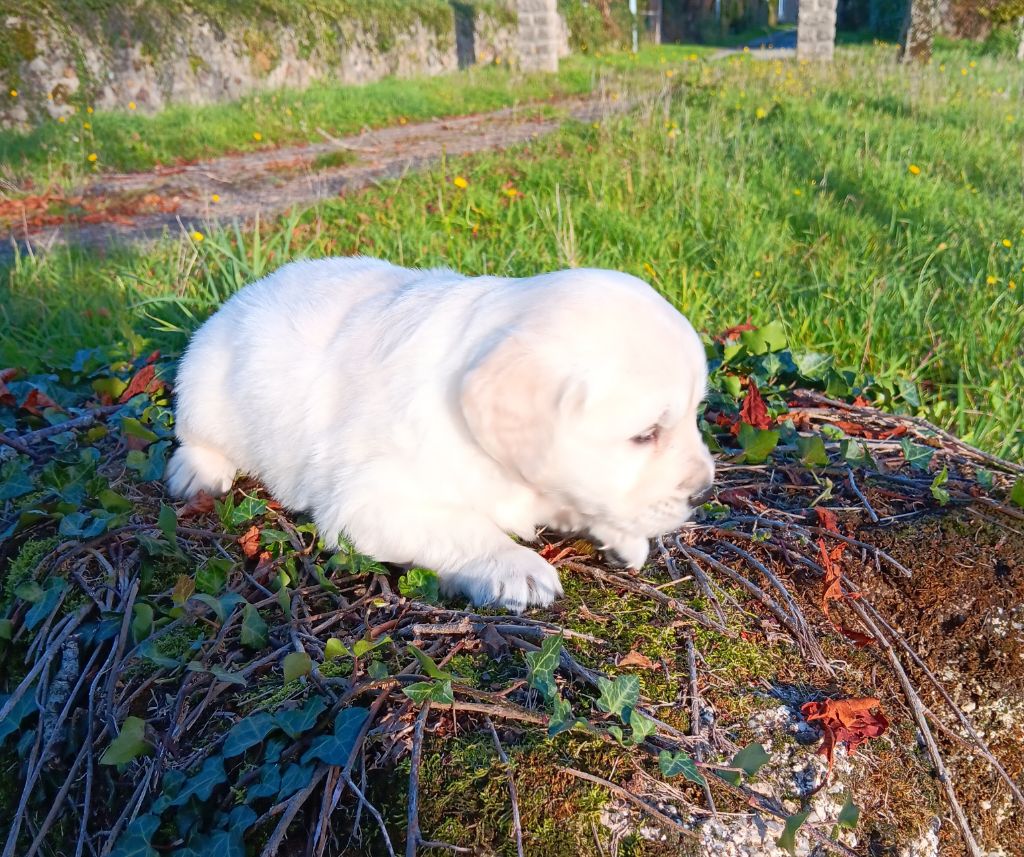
(198, 468)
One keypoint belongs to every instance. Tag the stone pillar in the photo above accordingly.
(816, 30)
(539, 34)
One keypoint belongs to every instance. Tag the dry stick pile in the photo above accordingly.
(96, 681)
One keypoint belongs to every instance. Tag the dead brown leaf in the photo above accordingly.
(37, 401)
(846, 721)
(200, 504)
(249, 541)
(143, 381)
(753, 411)
(636, 659)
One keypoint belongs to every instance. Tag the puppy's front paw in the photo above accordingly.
(512, 580)
(627, 551)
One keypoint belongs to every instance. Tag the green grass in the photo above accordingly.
(57, 153)
(774, 191)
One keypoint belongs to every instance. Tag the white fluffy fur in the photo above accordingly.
(426, 415)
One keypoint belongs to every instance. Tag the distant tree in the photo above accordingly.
(1007, 13)
(919, 28)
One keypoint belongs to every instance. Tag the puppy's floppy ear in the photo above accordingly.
(512, 398)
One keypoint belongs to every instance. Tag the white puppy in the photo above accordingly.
(425, 415)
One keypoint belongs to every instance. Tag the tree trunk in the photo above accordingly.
(919, 28)
(1020, 44)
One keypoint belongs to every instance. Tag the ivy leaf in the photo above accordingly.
(1017, 494)
(294, 778)
(335, 749)
(151, 463)
(130, 743)
(787, 842)
(362, 647)
(940, 494)
(811, 365)
(616, 732)
(420, 584)
(218, 672)
(254, 630)
(334, 649)
(432, 691)
(142, 621)
(268, 785)
(149, 651)
(619, 697)
(134, 842)
(201, 785)
(111, 501)
(812, 451)
(849, 815)
(427, 664)
(642, 726)
(213, 576)
(247, 733)
(25, 706)
(30, 591)
(542, 666)
(296, 664)
(298, 720)
(167, 521)
(377, 670)
(757, 443)
(916, 455)
(83, 525)
(674, 764)
(6, 629)
(51, 596)
(751, 759)
(15, 480)
(761, 340)
(562, 719)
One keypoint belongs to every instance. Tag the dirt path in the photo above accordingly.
(132, 207)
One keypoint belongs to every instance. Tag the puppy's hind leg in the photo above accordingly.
(195, 468)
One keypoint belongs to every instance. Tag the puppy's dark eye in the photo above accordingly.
(647, 436)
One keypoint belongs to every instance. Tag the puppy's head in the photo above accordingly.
(590, 394)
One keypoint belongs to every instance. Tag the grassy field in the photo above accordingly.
(87, 143)
(874, 210)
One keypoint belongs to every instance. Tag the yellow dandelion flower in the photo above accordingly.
(973, 64)
(460, 183)
(402, 120)
(14, 93)
(215, 197)
(511, 192)
(673, 134)
(692, 58)
(942, 67)
(669, 73)
(991, 280)
(197, 236)
(87, 126)
(942, 246)
(61, 119)
(1007, 243)
(798, 192)
(257, 136)
(88, 110)
(92, 157)
(1009, 117)
(914, 170)
(131, 105)
(963, 71)
(760, 113)
(1012, 284)
(649, 268)
(757, 274)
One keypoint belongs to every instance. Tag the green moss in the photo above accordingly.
(24, 564)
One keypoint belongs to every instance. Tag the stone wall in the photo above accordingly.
(58, 68)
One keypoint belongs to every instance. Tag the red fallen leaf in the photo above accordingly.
(858, 430)
(732, 496)
(833, 576)
(250, 542)
(753, 410)
(848, 721)
(861, 402)
(153, 357)
(556, 557)
(858, 638)
(37, 401)
(827, 518)
(143, 381)
(636, 659)
(735, 331)
(6, 396)
(200, 504)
